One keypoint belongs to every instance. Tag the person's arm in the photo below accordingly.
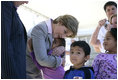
(97, 49)
(94, 41)
(58, 51)
(40, 49)
(7, 69)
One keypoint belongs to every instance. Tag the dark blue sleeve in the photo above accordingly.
(6, 20)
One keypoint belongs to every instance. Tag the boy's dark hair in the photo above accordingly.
(63, 42)
(113, 32)
(109, 3)
(86, 48)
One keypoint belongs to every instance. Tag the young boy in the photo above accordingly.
(79, 54)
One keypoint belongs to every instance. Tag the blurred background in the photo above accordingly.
(88, 13)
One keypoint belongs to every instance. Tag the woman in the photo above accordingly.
(42, 36)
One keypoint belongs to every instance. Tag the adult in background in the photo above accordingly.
(98, 36)
(13, 42)
(42, 37)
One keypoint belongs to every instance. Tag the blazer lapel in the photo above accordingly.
(50, 39)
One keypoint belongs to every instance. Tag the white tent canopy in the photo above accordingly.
(88, 12)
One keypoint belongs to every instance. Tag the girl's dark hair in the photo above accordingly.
(85, 46)
(110, 3)
(113, 32)
(63, 42)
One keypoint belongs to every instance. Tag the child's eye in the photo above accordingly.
(78, 52)
(72, 52)
(65, 31)
(107, 38)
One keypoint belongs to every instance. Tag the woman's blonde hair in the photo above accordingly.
(69, 22)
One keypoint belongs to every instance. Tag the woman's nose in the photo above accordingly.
(62, 36)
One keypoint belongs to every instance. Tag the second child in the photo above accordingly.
(79, 54)
(52, 73)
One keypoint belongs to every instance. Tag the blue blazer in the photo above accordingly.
(13, 43)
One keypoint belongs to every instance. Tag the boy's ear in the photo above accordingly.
(87, 57)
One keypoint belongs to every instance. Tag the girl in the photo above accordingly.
(52, 73)
(105, 64)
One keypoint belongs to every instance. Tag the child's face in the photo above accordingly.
(77, 56)
(114, 22)
(56, 43)
(109, 42)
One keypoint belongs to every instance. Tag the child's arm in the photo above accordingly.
(62, 55)
(58, 51)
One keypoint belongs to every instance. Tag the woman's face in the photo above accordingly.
(60, 31)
